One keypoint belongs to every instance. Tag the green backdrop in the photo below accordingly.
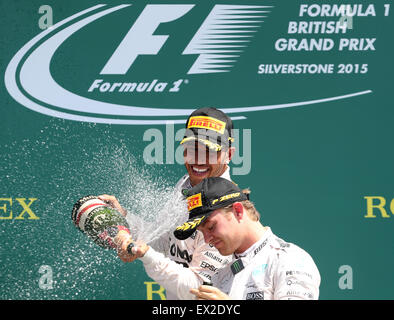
(321, 144)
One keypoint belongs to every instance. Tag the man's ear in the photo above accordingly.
(231, 152)
(238, 210)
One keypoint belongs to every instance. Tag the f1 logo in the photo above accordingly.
(218, 42)
(140, 38)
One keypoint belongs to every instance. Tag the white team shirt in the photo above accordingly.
(271, 269)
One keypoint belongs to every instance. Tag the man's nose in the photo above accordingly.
(207, 236)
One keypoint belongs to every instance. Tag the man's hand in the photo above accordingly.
(113, 202)
(138, 251)
(209, 293)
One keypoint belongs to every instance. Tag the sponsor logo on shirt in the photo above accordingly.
(257, 295)
(296, 272)
(208, 266)
(261, 246)
(175, 251)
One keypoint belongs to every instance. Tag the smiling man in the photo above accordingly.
(179, 265)
(265, 266)
(207, 143)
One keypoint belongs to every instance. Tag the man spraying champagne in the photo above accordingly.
(179, 265)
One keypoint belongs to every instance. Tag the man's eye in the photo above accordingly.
(210, 228)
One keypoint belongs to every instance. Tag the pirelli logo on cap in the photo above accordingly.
(194, 201)
(207, 123)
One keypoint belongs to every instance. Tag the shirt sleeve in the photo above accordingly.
(296, 277)
(178, 279)
(172, 276)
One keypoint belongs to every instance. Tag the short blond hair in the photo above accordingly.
(248, 205)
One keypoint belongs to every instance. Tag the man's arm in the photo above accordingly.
(173, 276)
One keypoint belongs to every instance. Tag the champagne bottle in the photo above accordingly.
(100, 222)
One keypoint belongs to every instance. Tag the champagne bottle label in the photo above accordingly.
(100, 222)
